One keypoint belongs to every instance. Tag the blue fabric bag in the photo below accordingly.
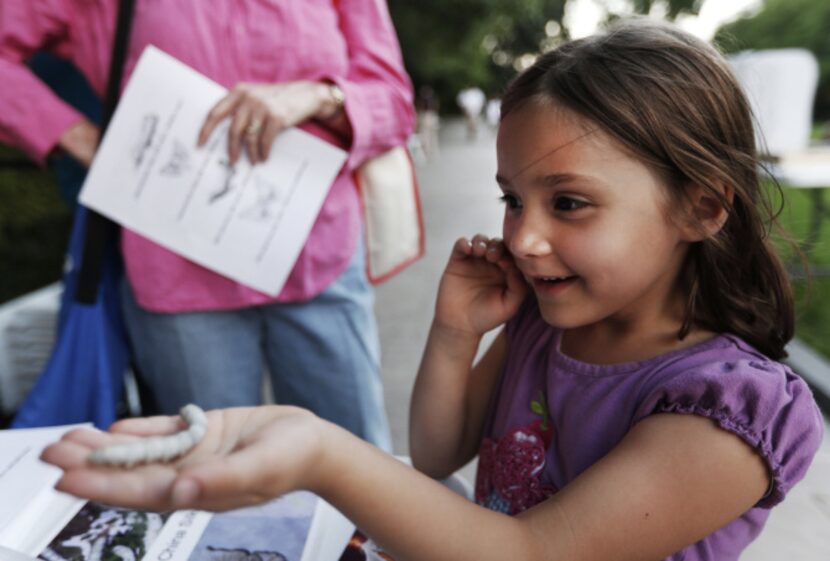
(84, 378)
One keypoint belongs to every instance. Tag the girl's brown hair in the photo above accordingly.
(672, 100)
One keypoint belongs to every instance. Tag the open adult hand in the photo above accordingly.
(247, 456)
(258, 113)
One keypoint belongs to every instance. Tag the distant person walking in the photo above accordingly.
(429, 121)
(471, 101)
(492, 113)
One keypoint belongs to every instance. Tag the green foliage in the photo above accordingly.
(34, 227)
(452, 44)
(673, 8)
(786, 24)
(813, 291)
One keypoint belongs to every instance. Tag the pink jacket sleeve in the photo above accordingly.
(32, 118)
(377, 89)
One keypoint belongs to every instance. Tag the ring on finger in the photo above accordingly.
(254, 128)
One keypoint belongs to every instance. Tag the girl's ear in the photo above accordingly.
(706, 212)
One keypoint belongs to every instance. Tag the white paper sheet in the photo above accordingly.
(246, 222)
(32, 512)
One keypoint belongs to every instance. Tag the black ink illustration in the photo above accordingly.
(149, 125)
(266, 203)
(179, 160)
(227, 182)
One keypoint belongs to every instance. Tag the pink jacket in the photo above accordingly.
(351, 42)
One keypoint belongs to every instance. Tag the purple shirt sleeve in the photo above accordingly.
(761, 401)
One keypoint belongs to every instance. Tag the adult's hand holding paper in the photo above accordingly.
(246, 222)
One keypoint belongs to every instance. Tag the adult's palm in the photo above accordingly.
(247, 456)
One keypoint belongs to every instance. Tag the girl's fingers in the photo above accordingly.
(146, 487)
(461, 248)
(149, 426)
(498, 254)
(479, 245)
(66, 454)
(495, 251)
(75, 447)
(93, 439)
(143, 486)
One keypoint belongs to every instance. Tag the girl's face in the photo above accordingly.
(587, 223)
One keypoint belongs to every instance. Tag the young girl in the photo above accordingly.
(632, 407)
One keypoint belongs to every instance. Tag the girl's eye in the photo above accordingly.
(511, 201)
(568, 204)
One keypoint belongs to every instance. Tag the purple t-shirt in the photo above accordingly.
(555, 416)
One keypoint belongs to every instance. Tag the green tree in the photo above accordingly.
(784, 24)
(450, 44)
(672, 8)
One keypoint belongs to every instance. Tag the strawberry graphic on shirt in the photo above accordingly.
(509, 471)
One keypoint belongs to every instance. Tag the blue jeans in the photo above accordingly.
(323, 354)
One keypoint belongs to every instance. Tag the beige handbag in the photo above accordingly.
(393, 223)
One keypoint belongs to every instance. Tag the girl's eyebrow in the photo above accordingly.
(550, 180)
(555, 179)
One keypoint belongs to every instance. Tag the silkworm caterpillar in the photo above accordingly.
(156, 448)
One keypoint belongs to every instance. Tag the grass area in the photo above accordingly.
(813, 292)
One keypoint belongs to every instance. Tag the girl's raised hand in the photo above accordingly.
(481, 287)
(247, 456)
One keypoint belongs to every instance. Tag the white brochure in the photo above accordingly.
(246, 222)
(32, 512)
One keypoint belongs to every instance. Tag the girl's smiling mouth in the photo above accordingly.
(552, 285)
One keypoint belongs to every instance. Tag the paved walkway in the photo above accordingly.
(460, 198)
